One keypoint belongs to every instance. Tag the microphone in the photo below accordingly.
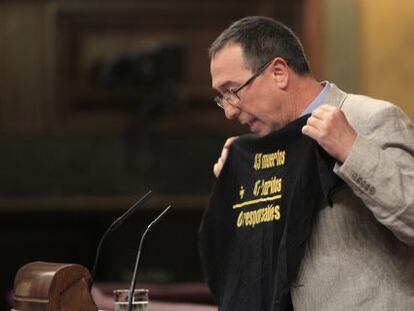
(115, 225)
(134, 275)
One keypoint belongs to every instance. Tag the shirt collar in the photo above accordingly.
(318, 99)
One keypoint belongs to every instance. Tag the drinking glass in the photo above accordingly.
(139, 300)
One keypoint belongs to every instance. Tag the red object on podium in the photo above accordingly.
(46, 286)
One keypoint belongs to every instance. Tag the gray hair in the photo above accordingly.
(263, 39)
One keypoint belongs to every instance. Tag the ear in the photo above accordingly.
(280, 72)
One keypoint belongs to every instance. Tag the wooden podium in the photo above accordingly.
(45, 286)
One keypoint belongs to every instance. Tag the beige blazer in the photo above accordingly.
(361, 253)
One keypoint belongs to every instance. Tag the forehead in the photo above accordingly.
(228, 67)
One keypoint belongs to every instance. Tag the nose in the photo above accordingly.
(231, 111)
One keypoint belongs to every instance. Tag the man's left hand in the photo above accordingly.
(330, 128)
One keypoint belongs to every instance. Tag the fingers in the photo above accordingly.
(230, 141)
(216, 169)
(329, 126)
(218, 166)
(323, 121)
(323, 112)
(310, 131)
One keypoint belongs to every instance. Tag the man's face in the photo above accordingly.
(260, 105)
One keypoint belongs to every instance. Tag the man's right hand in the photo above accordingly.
(218, 166)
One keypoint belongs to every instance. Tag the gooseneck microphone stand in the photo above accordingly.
(115, 225)
(134, 275)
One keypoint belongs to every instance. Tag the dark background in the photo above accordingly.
(101, 101)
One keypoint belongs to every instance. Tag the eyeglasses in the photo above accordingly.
(231, 97)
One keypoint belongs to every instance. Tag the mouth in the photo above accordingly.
(251, 124)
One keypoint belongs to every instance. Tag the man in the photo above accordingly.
(361, 252)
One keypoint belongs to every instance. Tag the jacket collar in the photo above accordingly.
(335, 96)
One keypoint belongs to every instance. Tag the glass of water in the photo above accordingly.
(139, 301)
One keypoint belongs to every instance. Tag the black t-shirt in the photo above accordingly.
(260, 216)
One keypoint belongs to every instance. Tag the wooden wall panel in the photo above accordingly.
(49, 47)
(340, 39)
(85, 33)
(312, 36)
(387, 48)
(22, 57)
(2, 76)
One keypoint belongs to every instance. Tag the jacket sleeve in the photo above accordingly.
(380, 169)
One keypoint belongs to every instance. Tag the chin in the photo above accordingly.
(260, 128)
(262, 131)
